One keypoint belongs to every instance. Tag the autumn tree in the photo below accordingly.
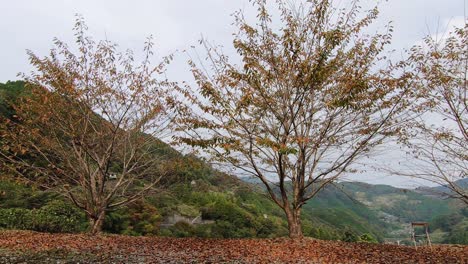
(438, 138)
(88, 127)
(311, 96)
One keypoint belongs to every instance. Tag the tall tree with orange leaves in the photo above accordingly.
(88, 127)
(311, 96)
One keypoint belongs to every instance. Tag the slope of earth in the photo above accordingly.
(384, 211)
(407, 205)
(443, 190)
(397, 207)
(340, 208)
(18, 246)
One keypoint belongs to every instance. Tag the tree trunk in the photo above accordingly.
(96, 222)
(294, 222)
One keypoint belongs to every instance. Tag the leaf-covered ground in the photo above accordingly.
(33, 247)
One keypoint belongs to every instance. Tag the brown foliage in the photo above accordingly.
(111, 248)
(307, 101)
(88, 127)
(438, 137)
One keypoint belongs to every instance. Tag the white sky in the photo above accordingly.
(178, 24)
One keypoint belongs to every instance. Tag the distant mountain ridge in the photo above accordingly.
(443, 190)
(384, 209)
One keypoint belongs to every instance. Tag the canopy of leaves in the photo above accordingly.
(438, 138)
(309, 98)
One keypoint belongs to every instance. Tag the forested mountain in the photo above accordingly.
(388, 211)
(197, 200)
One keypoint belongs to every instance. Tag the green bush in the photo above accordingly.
(320, 231)
(138, 218)
(203, 230)
(188, 210)
(458, 236)
(224, 229)
(55, 217)
(59, 217)
(349, 236)
(368, 238)
(165, 232)
(116, 221)
(16, 195)
(182, 229)
(230, 212)
(16, 218)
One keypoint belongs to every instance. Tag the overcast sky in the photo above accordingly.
(178, 24)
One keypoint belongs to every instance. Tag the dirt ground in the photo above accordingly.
(34, 247)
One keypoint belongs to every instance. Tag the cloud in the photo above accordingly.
(178, 24)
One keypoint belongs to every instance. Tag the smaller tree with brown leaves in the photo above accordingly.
(88, 128)
(307, 101)
(438, 138)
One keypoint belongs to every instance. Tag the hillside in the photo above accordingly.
(223, 206)
(226, 206)
(398, 207)
(386, 211)
(443, 191)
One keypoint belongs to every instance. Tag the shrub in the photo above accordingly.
(116, 221)
(17, 195)
(368, 238)
(349, 236)
(203, 230)
(137, 218)
(165, 232)
(15, 218)
(182, 229)
(55, 217)
(188, 210)
(459, 235)
(59, 217)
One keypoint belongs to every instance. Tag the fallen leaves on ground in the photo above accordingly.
(127, 249)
